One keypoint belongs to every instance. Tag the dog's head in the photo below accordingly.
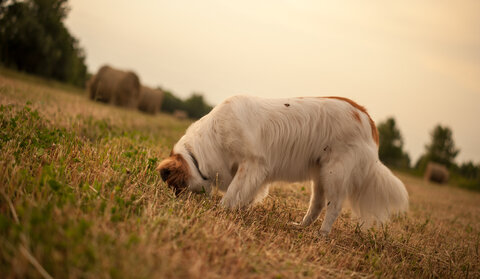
(181, 171)
(175, 172)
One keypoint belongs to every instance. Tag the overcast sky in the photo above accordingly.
(418, 61)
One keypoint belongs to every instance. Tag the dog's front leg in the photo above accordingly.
(245, 185)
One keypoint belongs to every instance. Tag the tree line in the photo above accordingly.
(441, 149)
(195, 105)
(33, 39)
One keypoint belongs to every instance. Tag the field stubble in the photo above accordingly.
(80, 197)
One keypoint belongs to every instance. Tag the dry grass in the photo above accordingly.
(80, 198)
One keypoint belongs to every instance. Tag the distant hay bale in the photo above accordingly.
(92, 87)
(180, 114)
(436, 173)
(150, 100)
(114, 86)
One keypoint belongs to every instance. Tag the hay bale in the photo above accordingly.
(180, 114)
(114, 86)
(150, 100)
(436, 173)
(93, 87)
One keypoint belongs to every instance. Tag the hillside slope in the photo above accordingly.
(79, 197)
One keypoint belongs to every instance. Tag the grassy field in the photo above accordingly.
(80, 198)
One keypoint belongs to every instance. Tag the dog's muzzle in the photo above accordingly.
(176, 184)
(164, 173)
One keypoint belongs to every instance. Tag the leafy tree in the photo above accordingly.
(171, 102)
(196, 106)
(441, 149)
(391, 145)
(34, 39)
(469, 170)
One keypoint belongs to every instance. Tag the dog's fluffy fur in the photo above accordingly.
(246, 142)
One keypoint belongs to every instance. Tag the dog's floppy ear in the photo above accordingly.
(174, 171)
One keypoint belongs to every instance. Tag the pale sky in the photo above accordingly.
(418, 61)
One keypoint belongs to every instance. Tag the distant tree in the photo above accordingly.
(441, 148)
(171, 102)
(196, 106)
(34, 39)
(391, 145)
(469, 170)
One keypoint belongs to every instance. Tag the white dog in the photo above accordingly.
(246, 142)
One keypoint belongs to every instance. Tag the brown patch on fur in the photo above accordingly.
(287, 105)
(364, 110)
(177, 171)
(356, 116)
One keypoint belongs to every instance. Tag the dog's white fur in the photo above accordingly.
(246, 142)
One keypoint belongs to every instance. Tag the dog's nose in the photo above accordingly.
(164, 173)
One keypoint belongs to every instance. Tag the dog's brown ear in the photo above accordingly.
(174, 171)
(166, 167)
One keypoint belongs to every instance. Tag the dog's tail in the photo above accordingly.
(380, 194)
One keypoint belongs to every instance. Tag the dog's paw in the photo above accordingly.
(296, 225)
(225, 204)
(228, 204)
(324, 233)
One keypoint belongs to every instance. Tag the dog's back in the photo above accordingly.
(301, 130)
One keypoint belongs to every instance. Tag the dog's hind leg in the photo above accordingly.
(317, 202)
(245, 186)
(335, 179)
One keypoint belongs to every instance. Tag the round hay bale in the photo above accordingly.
(150, 100)
(98, 86)
(180, 114)
(436, 173)
(114, 86)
